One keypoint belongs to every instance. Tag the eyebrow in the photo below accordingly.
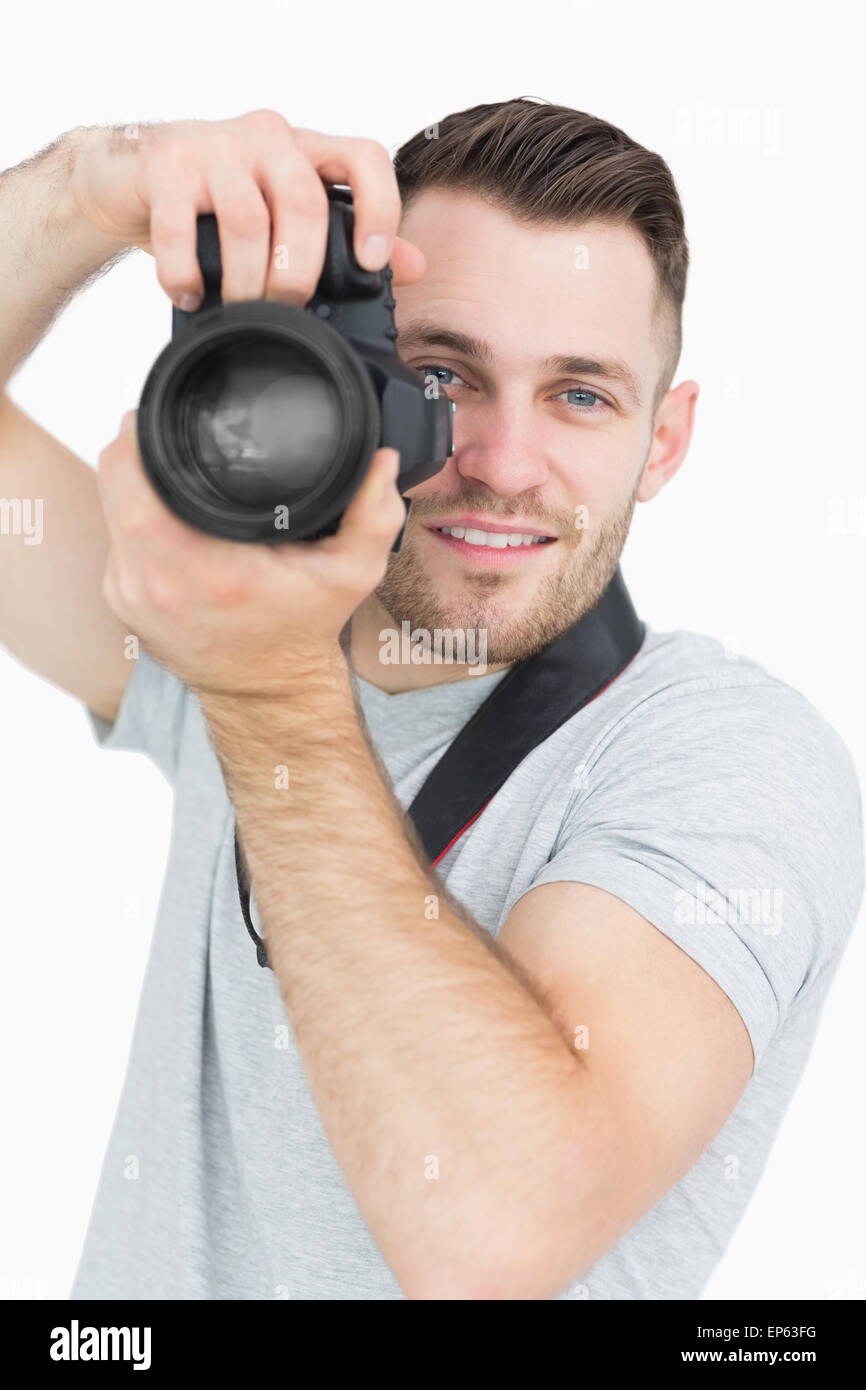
(424, 332)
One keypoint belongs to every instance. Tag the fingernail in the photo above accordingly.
(374, 252)
(188, 302)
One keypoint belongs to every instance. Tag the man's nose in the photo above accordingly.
(500, 447)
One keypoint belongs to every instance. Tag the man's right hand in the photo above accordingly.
(265, 181)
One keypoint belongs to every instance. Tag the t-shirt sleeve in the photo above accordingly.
(151, 715)
(729, 817)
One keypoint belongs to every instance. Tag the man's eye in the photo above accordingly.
(430, 369)
(588, 401)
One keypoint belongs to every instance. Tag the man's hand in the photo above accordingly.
(265, 181)
(232, 618)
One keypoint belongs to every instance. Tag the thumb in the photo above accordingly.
(375, 514)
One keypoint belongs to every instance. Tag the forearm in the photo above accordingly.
(449, 1096)
(48, 250)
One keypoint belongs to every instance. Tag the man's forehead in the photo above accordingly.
(461, 233)
(527, 291)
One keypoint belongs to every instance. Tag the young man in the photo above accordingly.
(553, 1068)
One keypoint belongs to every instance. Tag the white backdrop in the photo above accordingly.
(759, 540)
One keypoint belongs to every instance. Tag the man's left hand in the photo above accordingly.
(233, 617)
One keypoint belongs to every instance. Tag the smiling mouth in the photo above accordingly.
(492, 540)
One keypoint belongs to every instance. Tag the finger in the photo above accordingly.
(173, 235)
(122, 480)
(374, 516)
(366, 167)
(408, 262)
(123, 566)
(299, 213)
(244, 225)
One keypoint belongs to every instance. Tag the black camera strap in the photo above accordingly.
(529, 704)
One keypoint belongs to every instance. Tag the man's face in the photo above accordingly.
(540, 447)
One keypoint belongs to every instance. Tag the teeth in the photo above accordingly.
(496, 540)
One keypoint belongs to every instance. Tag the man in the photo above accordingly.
(554, 1067)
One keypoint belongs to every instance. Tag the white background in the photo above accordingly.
(757, 108)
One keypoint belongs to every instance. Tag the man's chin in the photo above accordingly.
(511, 628)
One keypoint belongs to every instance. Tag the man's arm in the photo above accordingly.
(490, 1157)
(53, 616)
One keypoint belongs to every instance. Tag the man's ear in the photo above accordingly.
(672, 433)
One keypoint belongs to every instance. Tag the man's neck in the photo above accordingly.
(372, 655)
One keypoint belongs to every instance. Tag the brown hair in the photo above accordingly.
(543, 163)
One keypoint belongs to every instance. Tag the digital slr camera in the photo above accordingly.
(258, 421)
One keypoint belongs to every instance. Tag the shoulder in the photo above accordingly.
(690, 688)
(711, 758)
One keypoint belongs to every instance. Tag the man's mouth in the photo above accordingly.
(496, 540)
(489, 543)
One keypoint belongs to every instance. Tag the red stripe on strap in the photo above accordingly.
(453, 842)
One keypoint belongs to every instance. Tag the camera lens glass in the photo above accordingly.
(259, 420)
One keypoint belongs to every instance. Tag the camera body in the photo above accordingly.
(258, 421)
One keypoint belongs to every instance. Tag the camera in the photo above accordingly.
(258, 420)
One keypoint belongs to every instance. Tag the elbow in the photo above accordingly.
(531, 1270)
(502, 1284)
(525, 1232)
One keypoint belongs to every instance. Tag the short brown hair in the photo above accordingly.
(543, 163)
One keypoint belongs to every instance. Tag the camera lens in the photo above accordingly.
(260, 422)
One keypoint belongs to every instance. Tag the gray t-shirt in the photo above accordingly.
(708, 795)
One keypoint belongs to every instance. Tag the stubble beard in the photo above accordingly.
(561, 599)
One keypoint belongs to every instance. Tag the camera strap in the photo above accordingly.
(529, 704)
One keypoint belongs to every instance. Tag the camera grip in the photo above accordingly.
(342, 280)
(340, 251)
(208, 252)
